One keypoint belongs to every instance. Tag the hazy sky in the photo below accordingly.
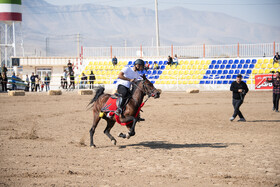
(255, 11)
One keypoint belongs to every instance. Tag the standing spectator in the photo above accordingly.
(4, 82)
(239, 90)
(4, 70)
(14, 78)
(175, 60)
(27, 83)
(47, 82)
(1, 81)
(276, 58)
(276, 91)
(83, 81)
(91, 80)
(32, 79)
(114, 61)
(42, 84)
(65, 84)
(72, 80)
(146, 65)
(37, 83)
(70, 66)
(169, 60)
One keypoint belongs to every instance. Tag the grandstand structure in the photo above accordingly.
(206, 74)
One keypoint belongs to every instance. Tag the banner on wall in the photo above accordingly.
(261, 84)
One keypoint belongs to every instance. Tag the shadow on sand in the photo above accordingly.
(271, 121)
(167, 145)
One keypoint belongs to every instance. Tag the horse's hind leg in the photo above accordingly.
(107, 130)
(96, 120)
(131, 128)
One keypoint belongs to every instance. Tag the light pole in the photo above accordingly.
(157, 27)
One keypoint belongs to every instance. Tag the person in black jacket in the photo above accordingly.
(91, 80)
(239, 90)
(32, 79)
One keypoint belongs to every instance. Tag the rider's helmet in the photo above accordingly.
(140, 62)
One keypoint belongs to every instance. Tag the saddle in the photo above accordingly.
(110, 108)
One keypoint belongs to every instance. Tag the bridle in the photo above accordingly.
(146, 90)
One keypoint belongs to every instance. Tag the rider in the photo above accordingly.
(126, 77)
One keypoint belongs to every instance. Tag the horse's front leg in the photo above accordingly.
(131, 129)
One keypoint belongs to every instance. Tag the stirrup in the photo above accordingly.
(118, 112)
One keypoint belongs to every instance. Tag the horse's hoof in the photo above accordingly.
(120, 135)
(132, 133)
(114, 142)
(127, 135)
(93, 146)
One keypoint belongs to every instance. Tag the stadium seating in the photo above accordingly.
(216, 71)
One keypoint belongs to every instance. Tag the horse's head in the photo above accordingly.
(149, 89)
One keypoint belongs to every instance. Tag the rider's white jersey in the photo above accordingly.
(128, 73)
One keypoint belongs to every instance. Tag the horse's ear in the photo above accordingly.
(144, 77)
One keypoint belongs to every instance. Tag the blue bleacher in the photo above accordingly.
(153, 82)
(237, 71)
(230, 62)
(151, 77)
(248, 61)
(243, 71)
(213, 62)
(225, 72)
(115, 82)
(246, 77)
(245, 66)
(211, 66)
(201, 82)
(150, 62)
(230, 82)
(160, 63)
(233, 66)
(205, 77)
(216, 67)
(214, 72)
(220, 72)
(149, 72)
(234, 76)
(129, 63)
(224, 62)
(219, 82)
(254, 61)
(162, 67)
(228, 66)
(230, 71)
(249, 71)
(156, 77)
(239, 66)
(219, 62)
(222, 77)
(236, 61)
(242, 61)
(208, 72)
(159, 72)
(228, 77)
(222, 67)
(225, 82)
(251, 66)
(165, 63)
(154, 72)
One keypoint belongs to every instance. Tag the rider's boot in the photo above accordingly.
(119, 105)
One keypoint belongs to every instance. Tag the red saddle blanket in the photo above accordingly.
(111, 106)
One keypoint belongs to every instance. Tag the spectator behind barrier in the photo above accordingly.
(114, 61)
(175, 60)
(169, 60)
(276, 58)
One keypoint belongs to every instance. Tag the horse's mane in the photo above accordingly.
(134, 86)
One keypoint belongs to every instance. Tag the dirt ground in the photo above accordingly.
(186, 140)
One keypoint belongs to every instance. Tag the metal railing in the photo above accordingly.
(198, 51)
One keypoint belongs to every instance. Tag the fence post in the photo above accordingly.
(238, 50)
(141, 51)
(274, 48)
(203, 50)
(111, 51)
(172, 50)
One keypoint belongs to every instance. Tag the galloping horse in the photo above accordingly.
(140, 89)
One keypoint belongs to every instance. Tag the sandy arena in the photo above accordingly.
(186, 140)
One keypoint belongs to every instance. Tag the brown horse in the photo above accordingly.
(140, 89)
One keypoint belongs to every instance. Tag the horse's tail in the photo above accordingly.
(99, 92)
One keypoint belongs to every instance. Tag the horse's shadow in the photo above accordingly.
(167, 145)
(272, 121)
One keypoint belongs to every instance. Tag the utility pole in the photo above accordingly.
(47, 46)
(157, 27)
(78, 44)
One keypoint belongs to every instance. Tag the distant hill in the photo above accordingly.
(105, 25)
